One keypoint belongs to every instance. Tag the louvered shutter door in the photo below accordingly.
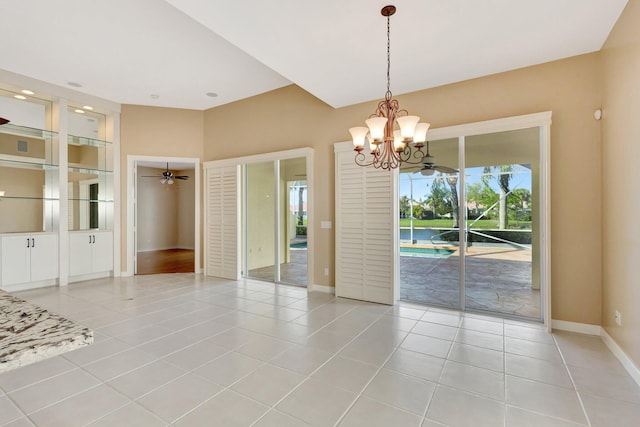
(365, 231)
(223, 222)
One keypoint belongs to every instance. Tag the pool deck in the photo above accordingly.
(498, 279)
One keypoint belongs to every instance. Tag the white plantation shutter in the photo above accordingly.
(223, 222)
(366, 230)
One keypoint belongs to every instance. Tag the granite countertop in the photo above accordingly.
(29, 333)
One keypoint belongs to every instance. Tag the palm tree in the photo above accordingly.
(300, 205)
(452, 180)
(504, 178)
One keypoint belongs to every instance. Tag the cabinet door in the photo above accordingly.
(15, 260)
(102, 251)
(79, 253)
(44, 257)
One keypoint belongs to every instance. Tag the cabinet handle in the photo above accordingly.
(89, 238)
(33, 242)
(28, 242)
(94, 238)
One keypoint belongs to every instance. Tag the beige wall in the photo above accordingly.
(35, 147)
(153, 131)
(291, 118)
(22, 214)
(620, 177)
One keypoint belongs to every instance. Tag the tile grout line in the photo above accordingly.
(324, 363)
(424, 417)
(564, 362)
(266, 363)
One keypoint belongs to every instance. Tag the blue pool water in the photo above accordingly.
(426, 252)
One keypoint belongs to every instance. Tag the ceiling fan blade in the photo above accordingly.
(151, 176)
(185, 177)
(445, 169)
(4, 121)
(411, 168)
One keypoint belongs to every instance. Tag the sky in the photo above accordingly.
(521, 178)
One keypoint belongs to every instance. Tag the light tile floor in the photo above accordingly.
(186, 350)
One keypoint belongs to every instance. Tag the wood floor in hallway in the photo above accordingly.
(165, 261)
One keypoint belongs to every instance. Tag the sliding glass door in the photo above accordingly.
(430, 229)
(501, 175)
(275, 218)
(260, 220)
(488, 184)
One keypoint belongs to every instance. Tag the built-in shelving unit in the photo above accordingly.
(57, 188)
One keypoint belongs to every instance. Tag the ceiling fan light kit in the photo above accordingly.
(390, 147)
(168, 177)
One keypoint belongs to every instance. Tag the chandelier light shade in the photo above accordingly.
(394, 136)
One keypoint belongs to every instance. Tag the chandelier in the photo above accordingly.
(390, 147)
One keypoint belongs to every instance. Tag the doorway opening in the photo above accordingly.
(163, 222)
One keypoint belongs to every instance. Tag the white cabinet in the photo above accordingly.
(28, 259)
(90, 252)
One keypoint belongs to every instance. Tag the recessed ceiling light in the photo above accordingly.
(154, 96)
(74, 84)
(28, 92)
(79, 111)
(88, 107)
(19, 96)
(211, 94)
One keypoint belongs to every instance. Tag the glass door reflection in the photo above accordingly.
(502, 247)
(293, 221)
(260, 220)
(430, 229)
(275, 200)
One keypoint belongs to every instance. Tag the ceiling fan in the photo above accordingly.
(427, 167)
(167, 176)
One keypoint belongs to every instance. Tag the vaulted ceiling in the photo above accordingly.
(200, 54)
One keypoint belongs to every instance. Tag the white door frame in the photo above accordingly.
(132, 163)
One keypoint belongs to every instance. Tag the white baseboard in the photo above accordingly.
(324, 289)
(626, 361)
(584, 328)
(581, 328)
(90, 276)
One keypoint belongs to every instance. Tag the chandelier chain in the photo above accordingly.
(388, 94)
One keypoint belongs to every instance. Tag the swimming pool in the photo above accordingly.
(425, 252)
